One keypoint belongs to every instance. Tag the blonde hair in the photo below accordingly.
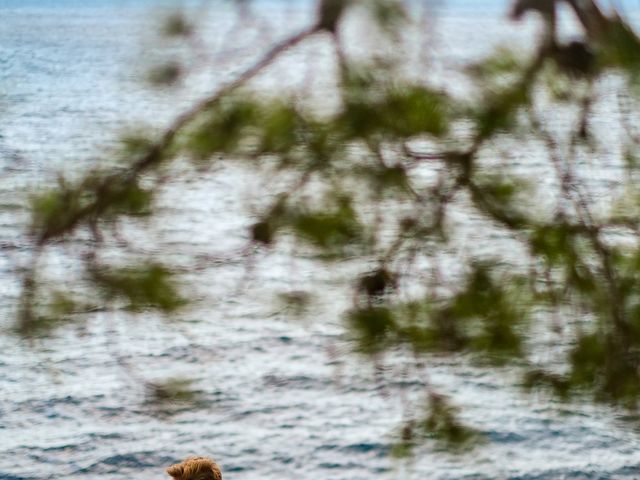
(195, 468)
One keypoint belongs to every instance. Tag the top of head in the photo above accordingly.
(195, 468)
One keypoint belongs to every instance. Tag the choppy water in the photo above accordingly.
(280, 399)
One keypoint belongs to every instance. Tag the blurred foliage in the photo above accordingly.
(172, 392)
(177, 25)
(375, 107)
(143, 287)
(439, 423)
(328, 229)
(296, 303)
(378, 178)
(166, 74)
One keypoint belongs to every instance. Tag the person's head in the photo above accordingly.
(195, 468)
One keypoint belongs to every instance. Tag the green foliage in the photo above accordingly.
(129, 198)
(39, 326)
(413, 110)
(538, 378)
(505, 89)
(281, 127)
(221, 129)
(55, 310)
(143, 287)
(481, 318)
(556, 243)
(56, 212)
(621, 48)
(485, 317)
(177, 25)
(386, 179)
(53, 211)
(600, 367)
(499, 110)
(172, 391)
(563, 247)
(250, 129)
(560, 86)
(373, 328)
(389, 14)
(296, 303)
(376, 107)
(331, 230)
(327, 230)
(439, 423)
(502, 65)
(631, 161)
(501, 199)
(599, 363)
(135, 144)
(442, 424)
(166, 74)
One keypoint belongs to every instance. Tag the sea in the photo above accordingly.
(281, 394)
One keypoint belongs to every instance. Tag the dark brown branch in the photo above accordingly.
(595, 23)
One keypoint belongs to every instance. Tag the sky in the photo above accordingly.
(491, 7)
(623, 4)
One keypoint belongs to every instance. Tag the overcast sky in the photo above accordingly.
(627, 6)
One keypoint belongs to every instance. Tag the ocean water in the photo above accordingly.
(280, 397)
